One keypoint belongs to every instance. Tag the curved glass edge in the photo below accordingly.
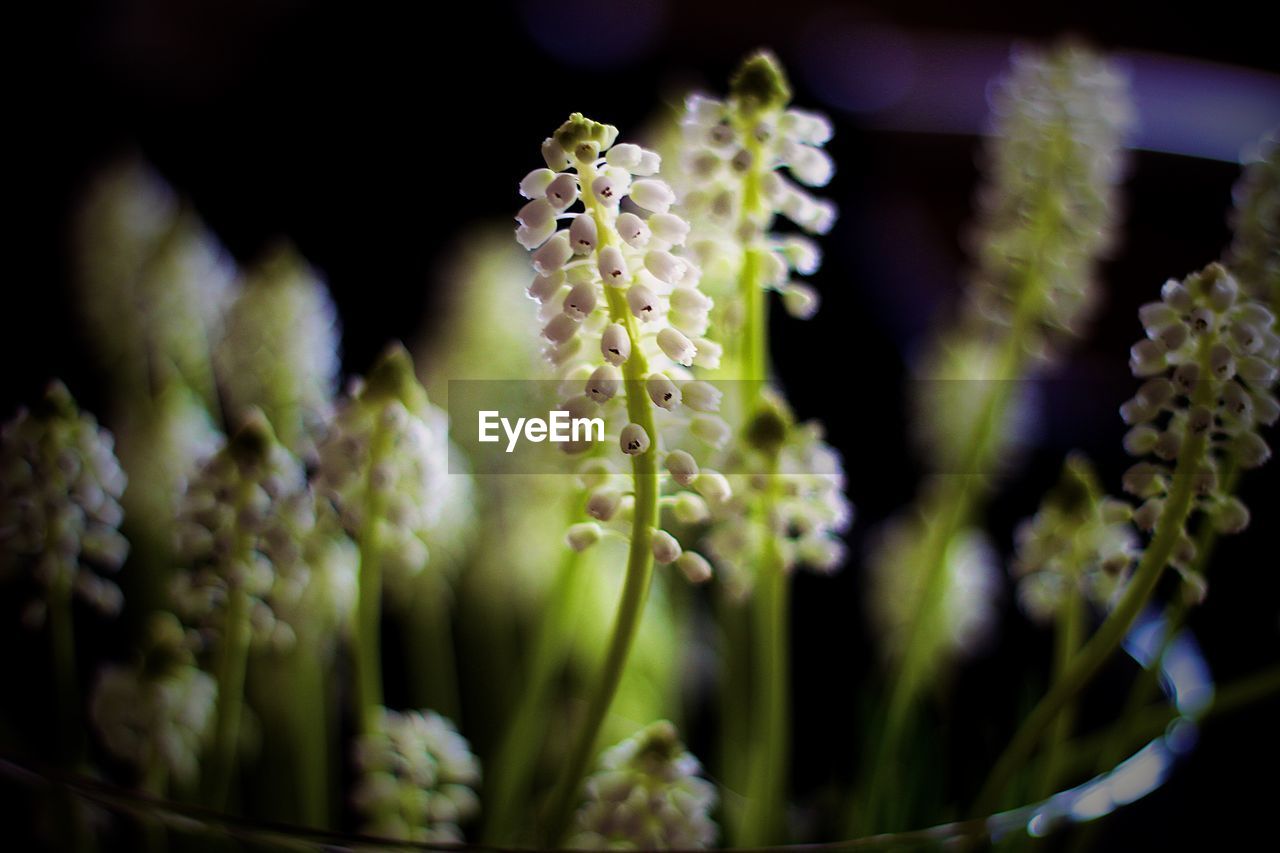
(1184, 678)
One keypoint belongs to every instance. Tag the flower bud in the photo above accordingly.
(624, 156)
(1231, 516)
(800, 300)
(708, 354)
(633, 440)
(682, 467)
(583, 535)
(689, 508)
(633, 230)
(536, 182)
(1251, 450)
(666, 549)
(561, 328)
(563, 191)
(607, 189)
(1141, 440)
(713, 486)
(694, 567)
(604, 383)
(662, 391)
(531, 237)
(613, 267)
(602, 505)
(536, 213)
(643, 303)
(676, 346)
(554, 155)
(582, 234)
(711, 429)
(1146, 358)
(650, 163)
(701, 396)
(546, 286)
(666, 266)
(653, 194)
(669, 228)
(554, 253)
(581, 300)
(615, 344)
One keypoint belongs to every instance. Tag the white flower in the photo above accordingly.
(389, 447)
(279, 351)
(647, 795)
(60, 490)
(159, 711)
(417, 778)
(650, 329)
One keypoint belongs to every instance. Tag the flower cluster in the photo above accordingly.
(279, 350)
(810, 511)
(385, 465)
(733, 187)
(1048, 206)
(647, 795)
(250, 523)
(157, 713)
(1210, 359)
(613, 276)
(60, 487)
(1079, 540)
(417, 778)
(966, 590)
(1254, 257)
(156, 284)
(161, 447)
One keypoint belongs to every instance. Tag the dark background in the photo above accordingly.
(372, 136)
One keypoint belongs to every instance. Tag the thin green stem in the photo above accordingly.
(635, 591)
(233, 658)
(368, 633)
(1112, 632)
(308, 710)
(511, 771)
(766, 794)
(430, 629)
(1069, 629)
(63, 648)
(70, 739)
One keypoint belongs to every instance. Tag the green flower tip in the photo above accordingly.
(253, 439)
(759, 84)
(660, 742)
(769, 425)
(394, 378)
(279, 262)
(57, 402)
(583, 138)
(1078, 489)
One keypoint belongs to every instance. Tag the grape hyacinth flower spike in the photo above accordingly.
(623, 316)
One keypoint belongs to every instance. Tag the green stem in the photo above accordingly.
(735, 696)
(1070, 628)
(70, 739)
(368, 633)
(1147, 683)
(958, 494)
(308, 709)
(512, 769)
(63, 647)
(635, 591)
(430, 630)
(233, 656)
(766, 794)
(1112, 632)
